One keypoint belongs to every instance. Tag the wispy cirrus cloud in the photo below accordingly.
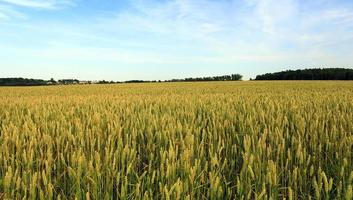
(39, 4)
(16, 9)
(8, 12)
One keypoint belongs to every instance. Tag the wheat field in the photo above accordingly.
(224, 140)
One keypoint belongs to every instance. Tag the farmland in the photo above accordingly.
(224, 140)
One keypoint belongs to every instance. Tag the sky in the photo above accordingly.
(165, 39)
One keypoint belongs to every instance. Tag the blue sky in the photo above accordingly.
(164, 39)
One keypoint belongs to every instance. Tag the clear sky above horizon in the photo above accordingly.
(165, 39)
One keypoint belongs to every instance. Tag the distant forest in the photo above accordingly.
(39, 82)
(22, 82)
(310, 74)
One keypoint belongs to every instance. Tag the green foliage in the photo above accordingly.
(310, 74)
(233, 77)
(21, 82)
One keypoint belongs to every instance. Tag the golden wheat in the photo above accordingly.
(227, 140)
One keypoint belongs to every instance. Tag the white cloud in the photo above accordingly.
(40, 4)
(227, 31)
(338, 16)
(184, 17)
(274, 13)
(7, 12)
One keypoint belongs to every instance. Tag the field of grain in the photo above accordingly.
(225, 140)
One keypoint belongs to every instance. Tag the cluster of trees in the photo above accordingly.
(35, 82)
(141, 81)
(106, 82)
(130, 81)
(233, 77)
(68, 81)
(22, 82)
(310, 74)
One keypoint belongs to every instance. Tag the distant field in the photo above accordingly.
(221, 140)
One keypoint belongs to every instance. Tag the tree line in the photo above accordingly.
(22, 82)
(40, 82)
(301, 74)
(233, 77)
(310, 74)
(35, 82)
